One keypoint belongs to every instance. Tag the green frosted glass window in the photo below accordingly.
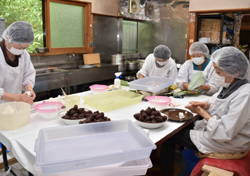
(129, 37)
(66, 25)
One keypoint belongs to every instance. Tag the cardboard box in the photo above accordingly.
(215, 5)
(214, 36)
(210, 25)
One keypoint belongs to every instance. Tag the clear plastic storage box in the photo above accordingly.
(129, 168)
(109, 101)
(151, 83)
(67, 148)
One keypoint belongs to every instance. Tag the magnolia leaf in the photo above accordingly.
(196, 81)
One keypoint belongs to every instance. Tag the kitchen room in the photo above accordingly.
(83, 47)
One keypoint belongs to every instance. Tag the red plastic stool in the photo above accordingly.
(240, 167)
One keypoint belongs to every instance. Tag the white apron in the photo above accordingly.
(12, 76)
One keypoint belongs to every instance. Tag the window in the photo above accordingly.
(25, 10)
(130, 36)
(67, 24)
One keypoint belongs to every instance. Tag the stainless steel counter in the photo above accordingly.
(46, 81)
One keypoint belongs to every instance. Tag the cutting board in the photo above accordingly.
(91, 58)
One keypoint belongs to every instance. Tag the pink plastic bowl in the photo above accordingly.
(49, 110)
(96, 88)
(161, 100)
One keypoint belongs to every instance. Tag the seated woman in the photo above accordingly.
(159, 63)
(198, 63)
(226, 120)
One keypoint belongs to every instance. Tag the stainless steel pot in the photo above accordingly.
(42, 50)
(132, 65)
(119, 59)
(140, 64)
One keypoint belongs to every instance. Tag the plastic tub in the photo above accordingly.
(91, 145)
(49, 110)
(151, 84)
(15, 120)
(130, 168)
(190, 159)
(96, 88)
(71, 101)
(109, 101)
(159, 100)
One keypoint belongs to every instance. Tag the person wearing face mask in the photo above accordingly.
(198, 63)
(226, 115)
(16, 70)
(159, 63)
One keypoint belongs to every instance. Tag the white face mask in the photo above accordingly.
(220, 81)
(160, 64)
(15, 51)
(197, 60)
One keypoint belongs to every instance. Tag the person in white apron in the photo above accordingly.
(225, 116)
(198, 63)
(158, 64)
(16, 70)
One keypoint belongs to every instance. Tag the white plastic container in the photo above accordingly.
(15, 120)
(49, 110)
(151, 83)
(130, 168)
(67, 148)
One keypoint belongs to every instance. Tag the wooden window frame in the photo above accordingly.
(88, 29)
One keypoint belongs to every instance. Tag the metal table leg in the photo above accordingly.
(5, 161)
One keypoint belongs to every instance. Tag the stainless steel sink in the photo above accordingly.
(46, 71)
(66, 77)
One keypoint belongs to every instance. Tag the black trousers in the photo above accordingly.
(182, 138)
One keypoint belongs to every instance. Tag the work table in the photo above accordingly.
(22, 141)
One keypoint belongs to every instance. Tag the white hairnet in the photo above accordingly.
(162, 52)
(198, 47)
(232, 61)
(19, 32)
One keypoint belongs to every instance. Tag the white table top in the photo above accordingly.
(22, 141)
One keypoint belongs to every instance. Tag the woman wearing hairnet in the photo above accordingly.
(159, 63)
(198, 63)
(16, 70)
(226, 119)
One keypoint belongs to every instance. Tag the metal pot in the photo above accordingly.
(132, 65)
(42, 50)
(140, 64)
(119, 59)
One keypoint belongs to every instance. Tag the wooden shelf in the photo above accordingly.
(245, 28)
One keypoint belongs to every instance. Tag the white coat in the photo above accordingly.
(13, 79)
(149, 68)
(228, 130)
(187, 71)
